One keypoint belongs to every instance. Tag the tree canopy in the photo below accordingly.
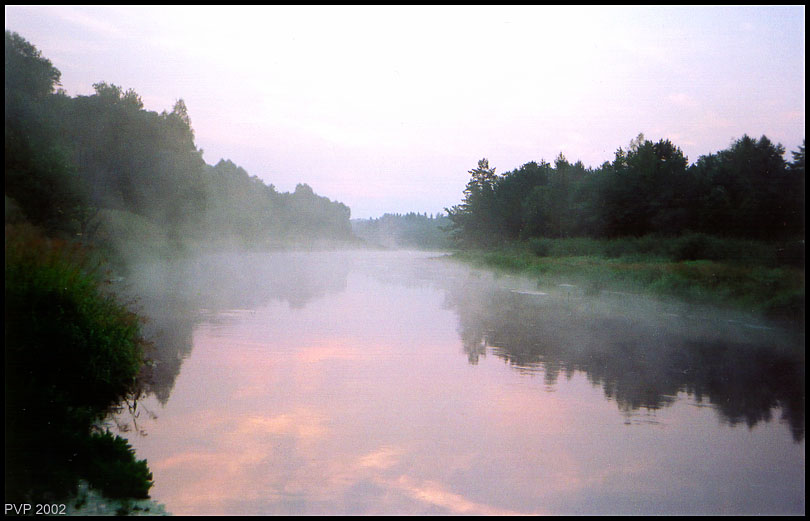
(72, 160)
(747, 190)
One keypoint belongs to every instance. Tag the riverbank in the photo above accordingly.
(73, 352)
(90, 502)
(754, 277)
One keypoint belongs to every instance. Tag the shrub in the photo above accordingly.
(71, 341)
(109, 464)
(71, 353)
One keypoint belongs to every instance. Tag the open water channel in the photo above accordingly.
(402, 383)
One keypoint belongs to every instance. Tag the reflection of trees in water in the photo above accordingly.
(474, 344)
(169, 327)
(171, 297)
(641, 360)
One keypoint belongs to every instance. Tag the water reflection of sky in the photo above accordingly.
(362, 402)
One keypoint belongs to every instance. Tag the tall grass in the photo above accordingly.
(693, 246)
(756, 276)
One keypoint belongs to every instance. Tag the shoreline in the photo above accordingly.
(774, 293)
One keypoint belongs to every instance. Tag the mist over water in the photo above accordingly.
(402, 383)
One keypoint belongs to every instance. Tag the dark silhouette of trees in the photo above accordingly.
(745, 191)
(40, 180)
(28, 73)
(477, 221)
(69, 162)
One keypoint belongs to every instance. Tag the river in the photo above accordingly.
(339, 383)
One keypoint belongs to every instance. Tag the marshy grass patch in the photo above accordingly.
(697, 268)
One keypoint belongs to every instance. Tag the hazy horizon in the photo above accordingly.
(387, 108)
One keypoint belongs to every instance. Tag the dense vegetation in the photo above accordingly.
(728, 229)
(104, 169)
(745, 191)
(696, 268)
(412, 230)
(72, 353)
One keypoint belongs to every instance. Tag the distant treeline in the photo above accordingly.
(75, 164)
(746, 191)
(412, 230)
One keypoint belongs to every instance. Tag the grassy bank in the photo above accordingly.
(759, 277)
(72, 353)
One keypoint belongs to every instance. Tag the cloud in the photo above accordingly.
(434, 493)
(382, 458)
(300, 424)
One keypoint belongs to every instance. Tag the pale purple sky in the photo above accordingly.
(386, 108)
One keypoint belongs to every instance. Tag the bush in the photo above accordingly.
(71, 353)
(68, 339)
(109, 464)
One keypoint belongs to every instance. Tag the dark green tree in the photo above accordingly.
(39, 176)
(642, 192)
(28, 73)
(750, 180)
(795, 193)
(476, 221)
(512, 193)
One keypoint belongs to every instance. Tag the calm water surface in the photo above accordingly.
(396, 383)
